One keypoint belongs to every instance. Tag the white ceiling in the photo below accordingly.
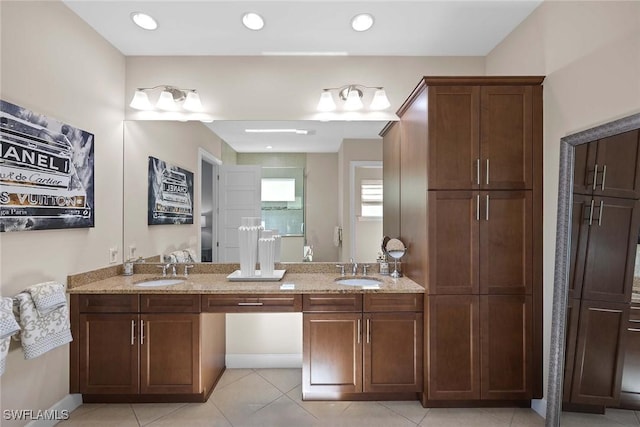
(302, 27)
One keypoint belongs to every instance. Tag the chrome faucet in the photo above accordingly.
(354, 268)
(164, 268)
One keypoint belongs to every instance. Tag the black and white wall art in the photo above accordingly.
(170, 194)
(46, 172)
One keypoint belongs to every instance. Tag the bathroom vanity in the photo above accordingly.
(167, 344)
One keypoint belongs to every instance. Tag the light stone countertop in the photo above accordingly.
(211, 283)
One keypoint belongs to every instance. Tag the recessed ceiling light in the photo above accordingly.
(268, 147)
(362, 22)
(253, 21)
(296, 131)
(144, 21)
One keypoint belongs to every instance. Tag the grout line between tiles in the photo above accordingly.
(135, 415)
(381, 403)
(159, 418)
(220, 410)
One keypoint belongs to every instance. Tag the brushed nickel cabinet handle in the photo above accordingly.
(478, 171)
(604, 176)
(368, 331)
(358, 334)
(595, 176)
(250, 303)
(487, 171)
(477, 207)
(487, 208)
(133, 332)
(142, 332)
(600, 212)
(591, 214)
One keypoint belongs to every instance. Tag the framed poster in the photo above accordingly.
(170, 194)
(46, 172)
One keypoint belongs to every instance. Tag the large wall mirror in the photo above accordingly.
(328, 183)
(595, 332)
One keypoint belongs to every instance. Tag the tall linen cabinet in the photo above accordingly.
(464, 167)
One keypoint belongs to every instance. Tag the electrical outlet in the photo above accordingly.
(132, 251)
(113, 255)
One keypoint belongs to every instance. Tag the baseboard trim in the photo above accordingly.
(59, 411)
(540, 406)
(234, 361)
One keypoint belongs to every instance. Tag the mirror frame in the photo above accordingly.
(562, 256)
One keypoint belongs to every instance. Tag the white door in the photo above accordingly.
(239, 196)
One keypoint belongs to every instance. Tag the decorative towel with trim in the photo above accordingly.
(182, 256)
(41, 333)
(47, 297)
(8, 327)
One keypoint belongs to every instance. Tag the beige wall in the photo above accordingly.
(288, 88)
(590, 53)
(176, 143)
(322, 204)
(54, 64)
(352, 150)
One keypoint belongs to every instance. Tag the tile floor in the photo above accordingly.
(272, 398)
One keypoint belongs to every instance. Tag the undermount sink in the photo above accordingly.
(358, 281)
(159, 282)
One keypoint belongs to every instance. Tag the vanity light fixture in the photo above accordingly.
(171, 99)
(252, 21)
(144, 21)
(352, 96)
(362, 22)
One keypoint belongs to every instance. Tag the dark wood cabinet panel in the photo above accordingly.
(108, 354)
(573, 317)
(452, 344)
(413, 188)
(171, 303)
(108, 303)
(169, 354)
(609, 167)
(393, 352)
(582, 211)
(506, 347)
(453, 239)
(506, 264)
(631, 368)
(391, 178)
(332, 354)
(260, 303)
(332, 303)
(506, 134)
(606, 265)
(393, 302)
(454, 135)
(600, 350)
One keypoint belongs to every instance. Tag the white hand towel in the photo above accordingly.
(8, 327)
(40, 333)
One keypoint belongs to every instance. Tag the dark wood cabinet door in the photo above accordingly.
(453, 343)
(584, 168)
(631, 369)
(506, 263)
(506, 347)
(108, 356)
(454, 218)
(506, 135)
(454, 134)
(597, 372)
(571, 339)
(582, 214)
(617, 166)
(170, 356)
(391, 178)
(611, 250)
(393, 352)
(332, 354)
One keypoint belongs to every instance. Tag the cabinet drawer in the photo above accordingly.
(393, 302)
(332, 303)
(173, 303)
(251, 303)
(108, 303)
